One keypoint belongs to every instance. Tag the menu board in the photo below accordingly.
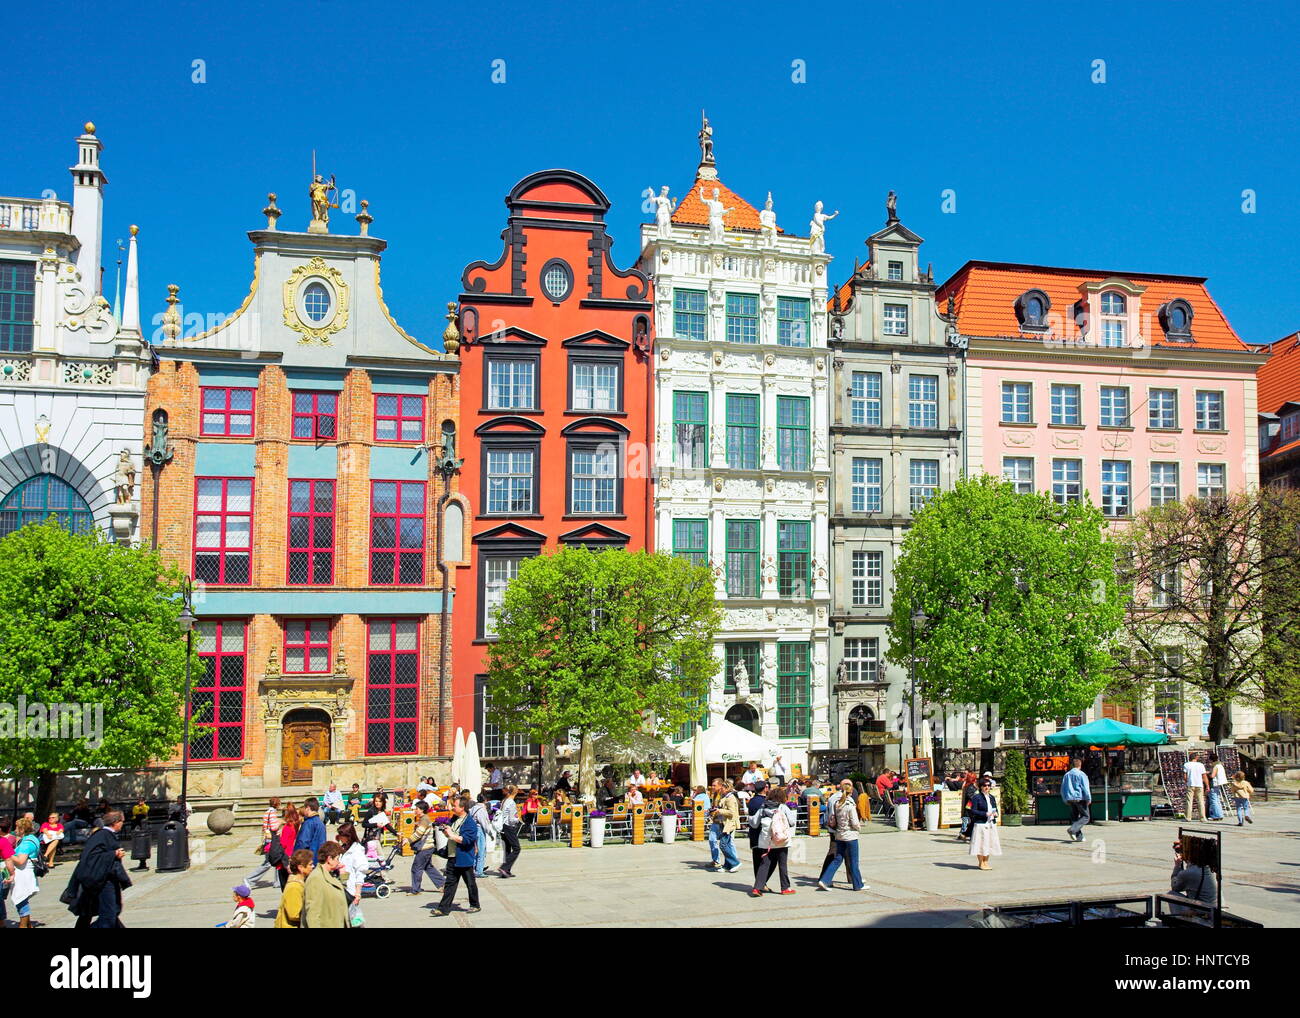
(919, 776)
(1174, 778)
(949, 809)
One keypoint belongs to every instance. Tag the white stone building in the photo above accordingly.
(741, 460)
(72, 375)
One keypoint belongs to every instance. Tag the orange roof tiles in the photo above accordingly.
(985, 295)
(1278, 377)
(691, 209)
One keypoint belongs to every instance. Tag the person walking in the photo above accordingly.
(1218, 787)
(1241, 791)
(1196, 785)
(1076, 792)
(776, 831)
(752, 809)
(325, 899)
(289, 915)
(311, 835)
(722, 829)
(22, 869)
(984, 824)
(423, 843)
(844, 824)
(484, 843)
(354, 867)
(508, 824)
(94, 894)
(464, 836)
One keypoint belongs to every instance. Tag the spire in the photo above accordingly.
(117, 286)
(131, 303)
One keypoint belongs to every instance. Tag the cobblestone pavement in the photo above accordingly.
(915, 878)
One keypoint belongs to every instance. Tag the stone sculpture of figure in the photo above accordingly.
(839, 673)
(741, 674)
(891, 207)
(817, 228)
(706, 140)
(837, 328)
(716, 212)
(320, 198)
(664, 207)
(124, 477)
(767, 223)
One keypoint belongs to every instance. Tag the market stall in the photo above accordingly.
(1104, 741)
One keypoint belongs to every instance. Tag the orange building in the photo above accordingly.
(555, 411)
(1279, 413)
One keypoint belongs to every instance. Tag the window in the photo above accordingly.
(1073, 721)
(1166, 587)
(742, 432)
(397, 532)
(691, 541)
(556, 280)
(862, 660)
(742, 318)
(1015, 731)
(1290, 427)
(1162, 409)
(1210, 481)
(500, 745)
(1209, 411)
(742, 558)
(865, 485)
(1019, 470)
(1114, 324)
(868, 579)
(1167, 703)
(691, 428)
(512, 384)
(306, 646)
(792, 328)
(895, 319)
(1115, 488)
(399, 418)
(923, 401)
(311, 532)
(392, 686)
(17, 306)
(1031, 310)
(1067, 481)
(748, 654)
(510, 480)
(793, 713)
(227, 412)
(596, 385)
(223, 526)
(1065, 404)
(315, 415)
(792, 432)
(1164, 483)
(41, 497)
(217, 699)
(1017, 403)
(689, 310)
(498, 571)
(896, 272)
(923, 476)
(794, 559)
(316, 302)
(1114, 409)
(594, 479)
(864, 399)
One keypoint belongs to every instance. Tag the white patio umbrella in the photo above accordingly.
(458, 757)
(471, 767)
(587, 769)
(699, 766)
(725, 743)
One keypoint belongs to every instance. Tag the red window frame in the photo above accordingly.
(226, 412)
(218, 681)
(404, 413)
(385, 716)
(309, 554)
(318, 430)
(312, 630)
(403, 523)
(222, 550)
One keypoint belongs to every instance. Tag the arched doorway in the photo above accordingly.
(859, 718)
(744, 715)
(306, 738)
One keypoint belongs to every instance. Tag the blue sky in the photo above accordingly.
(995, 102)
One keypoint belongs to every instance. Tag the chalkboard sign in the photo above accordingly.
(1174, 778)
(919, 775)
(1230, 758)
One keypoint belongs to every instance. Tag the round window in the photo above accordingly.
(316, 302)
(555, 281)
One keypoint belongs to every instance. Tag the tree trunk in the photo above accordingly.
(1220, 723)
(45, 789)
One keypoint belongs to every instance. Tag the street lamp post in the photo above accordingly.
(918, 618)
(186, 621)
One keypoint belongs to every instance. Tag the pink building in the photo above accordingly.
(1132, 389)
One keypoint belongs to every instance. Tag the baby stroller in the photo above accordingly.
(375, 884)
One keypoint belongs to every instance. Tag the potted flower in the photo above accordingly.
(597, 817)
(902, 811)
(931, 803)
(669, 819)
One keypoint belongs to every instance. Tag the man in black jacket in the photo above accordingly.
(756, 803)
(95, 889)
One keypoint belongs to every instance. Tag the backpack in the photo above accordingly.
(779, 833)
(275, 854)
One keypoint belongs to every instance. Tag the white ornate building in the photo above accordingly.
(741, 458)
(72, 375)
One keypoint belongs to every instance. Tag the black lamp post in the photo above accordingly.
(918, 619)
(186, 621)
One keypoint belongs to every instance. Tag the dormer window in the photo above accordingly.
(1114, 319)
(1176, 320)
(1031, 309)
(896, 271)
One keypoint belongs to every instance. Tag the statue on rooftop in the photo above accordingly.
(767, 223)
(817, 228)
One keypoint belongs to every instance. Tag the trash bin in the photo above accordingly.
(173, 847)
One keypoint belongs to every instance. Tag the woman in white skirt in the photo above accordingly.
(984, 824)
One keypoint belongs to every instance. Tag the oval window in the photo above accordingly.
(316, 302)
(555, 281)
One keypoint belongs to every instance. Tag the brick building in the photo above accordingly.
(293, 471)
(1279, 413)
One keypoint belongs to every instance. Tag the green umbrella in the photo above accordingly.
(1106, 732)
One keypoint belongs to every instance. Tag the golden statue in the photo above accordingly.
(320, 198)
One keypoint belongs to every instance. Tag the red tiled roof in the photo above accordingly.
(691, 209)
(845, 290)
(985, 295)
(1278, 377)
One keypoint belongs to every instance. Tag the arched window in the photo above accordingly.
(40, 497)
(744, 715)
(1114, 323)
(1112, 303)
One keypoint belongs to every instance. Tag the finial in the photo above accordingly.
(365, 218)
(134, 229)
(451, 334)
(272, 212)
(171, 323)
(90, 127)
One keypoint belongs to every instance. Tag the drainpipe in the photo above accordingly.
(445, 617)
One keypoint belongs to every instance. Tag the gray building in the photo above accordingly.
(896, 422)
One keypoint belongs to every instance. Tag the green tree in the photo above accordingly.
(602, 642)
(1021, 601)
(1015, 784)
(85, 621)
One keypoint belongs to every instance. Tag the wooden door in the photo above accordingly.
(304, 741)
(1120, 712)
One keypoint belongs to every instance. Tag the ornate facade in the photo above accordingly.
(741, 459)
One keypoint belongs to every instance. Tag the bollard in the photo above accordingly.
(814, 816)
(697, 822)
(638, 825)
(575, 835)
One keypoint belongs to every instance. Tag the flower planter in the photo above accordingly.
(931, 816)
(902, 815)
(1012, 820)
(669, 828)
(597, 832)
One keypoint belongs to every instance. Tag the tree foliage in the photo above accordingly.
(1020, 596)
(1215, 602)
